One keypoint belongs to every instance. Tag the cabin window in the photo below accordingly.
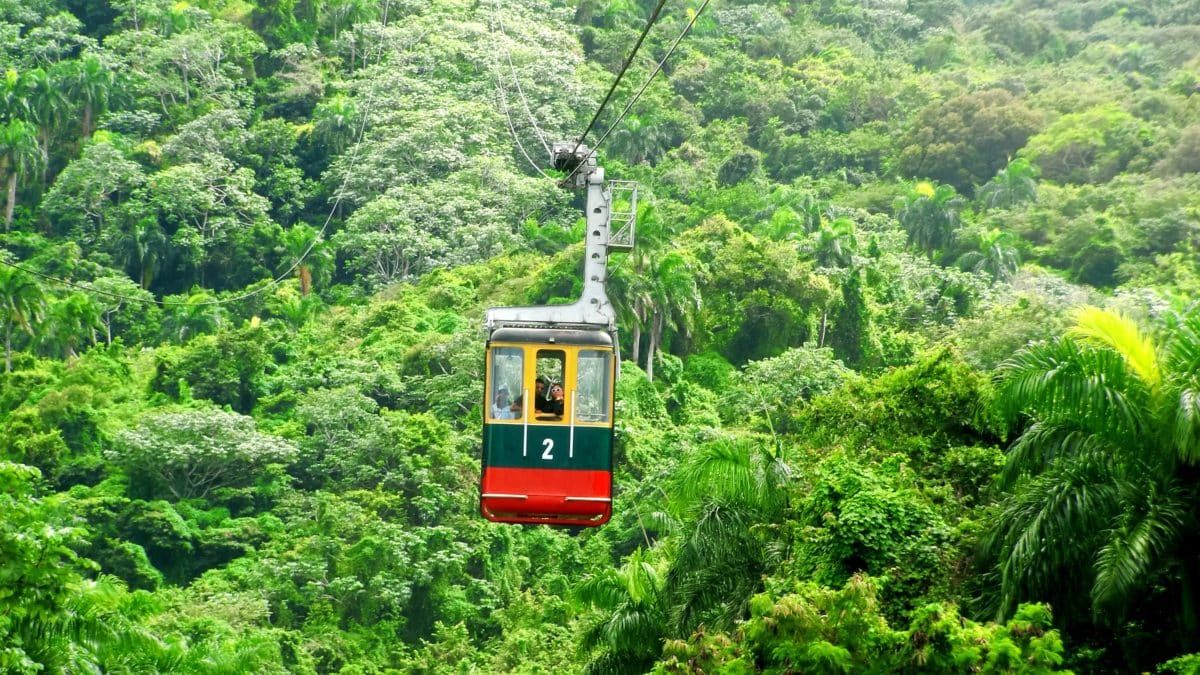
(592, 385)
(550, 368)
(508, 376)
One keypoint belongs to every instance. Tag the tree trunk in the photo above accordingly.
(824, 317)
(8, 348)
(637, 329)
(655, 339)
(12, 201)
(87, 121)
(44, 137)
(305, 280)
(1189, 613)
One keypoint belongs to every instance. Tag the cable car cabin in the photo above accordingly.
(548, 426)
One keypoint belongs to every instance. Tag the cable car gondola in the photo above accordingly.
(550, 374)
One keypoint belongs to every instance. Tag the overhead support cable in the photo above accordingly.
(521, 92)
(636, 96)
(502, 95)
(620, 74)
(513, 130)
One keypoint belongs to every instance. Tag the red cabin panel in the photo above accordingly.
(553, 496)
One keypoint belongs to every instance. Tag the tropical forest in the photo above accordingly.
(908, 338)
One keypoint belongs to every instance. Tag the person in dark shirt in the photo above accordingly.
(547, 399)
(554, 404)
(539, 397)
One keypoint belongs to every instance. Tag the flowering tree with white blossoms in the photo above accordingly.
(191, 452)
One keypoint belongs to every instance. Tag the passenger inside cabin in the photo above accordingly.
(540, 402)
(501, 409)
(554, 405)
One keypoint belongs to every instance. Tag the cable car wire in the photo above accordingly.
(338, 195)
(513, 130)
(636, 96)
(502, 95)
(624, 67)
(521, 92)
(655, 72)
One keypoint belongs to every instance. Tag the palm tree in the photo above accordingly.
(47, 102)
(1109, 497)
(930, 215)
(69, 323)
(629, 633)
(21, 304)
(293, 308)
(13, 101)
(90, 631)
(91, 83)
(616, 13)
(309, 253)
(813, 212)
(996, 256)
(835, 243)
(345, 13)
(673, 298)
(630, 285)
(196, 314)
(724, 495)
(142, 248)
(335, 122)
(19, 155)
(1012, 185)
(629, 291)
(640, 140)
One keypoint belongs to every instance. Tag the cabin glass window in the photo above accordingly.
(593, 385)
(507, 378)
(551, 365)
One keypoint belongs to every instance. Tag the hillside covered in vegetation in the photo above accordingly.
(911, 348)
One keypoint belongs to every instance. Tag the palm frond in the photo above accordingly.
(739, 470)
(1043, 530)
(614, 663)
(1045, 442)
(1113, 330)
(634, 630)
(1185, 428)
(631, 600)
(1183, 349)
(604, 591)
(1139, 544)
(661, 522)
(1093, 388)
(717, 568)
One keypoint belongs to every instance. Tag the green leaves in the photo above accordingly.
(930, 215)
(188, 453)
(1118, 333)
(21, 306)
(628, 633)
(1089, 146)
(1112, 432)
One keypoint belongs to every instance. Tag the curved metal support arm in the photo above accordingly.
(593, 308)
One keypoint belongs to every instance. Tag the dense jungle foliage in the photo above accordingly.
(911, 373)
